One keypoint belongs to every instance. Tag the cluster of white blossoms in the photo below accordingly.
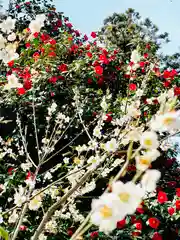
(8, 43)
(124, 198)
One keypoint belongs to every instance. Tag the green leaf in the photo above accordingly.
(3, 233)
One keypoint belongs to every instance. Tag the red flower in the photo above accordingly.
(11, 63)
(133, 219)
(10, 170)
(157, 236)
(93, 35)
(176, 91)
(36, 55)
(63, 67)
(103, 59)
(138, 226)
(89, 54)
(162, 197)
(61, 77)
(27, 45)
(52, 41)
(171, 210)
(59, 23)
(142, 64)
(45, 37)
(85, 37)
(69, 25)
(52, 54)
(27, 84)
(28, 175)
(132, 86)
(22, 228)
(121, 224)
(177, 204)
(178, 192)
(153, 222)
(108, 117)
(69, 232)
(94, 234)
(89, 81)
(148, 46)
(136, 233)
(36, 34)
(166, 84)
(21, 91)
(140, 210)
(98, 70)
(171, 184)
(100, 81)
(155, 101)
(166, 74)
(146, 55)
(53, 79)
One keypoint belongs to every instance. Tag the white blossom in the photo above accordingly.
(130, 196)
(111, 146)
(8, 25)
(149, 140)
(106, 212)
(149, 180)
(12, 82)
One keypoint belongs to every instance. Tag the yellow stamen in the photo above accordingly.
(106, 212)
(124, 196)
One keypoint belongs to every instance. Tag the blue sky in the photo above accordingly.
(88, 16)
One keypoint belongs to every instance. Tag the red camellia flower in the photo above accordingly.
(36, 34)
(162, 197)
(177, 204)
(69, 25)
(89, 54)
(27, 45)
(138, 226)
(93, 35)
(98, 70)
(10, 170)
(132, 86)
(148, 46)
(36, 55)
(136, 233)
(89, 81)
(63, 67)
(22, 228)
(171, 184)
(157, 236)
(140, 210)
(171, 210)
(94, 234)
(108, 117)
(146, 55)
(53, 79)
(69, 232)
(176, 91)
(11, 63)
(27, 84)
(153, 222)
(52, 41)
(121, 224)
(178, 192)
(21, 91)
(166, 84)
(85, 37)
(52, 54)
